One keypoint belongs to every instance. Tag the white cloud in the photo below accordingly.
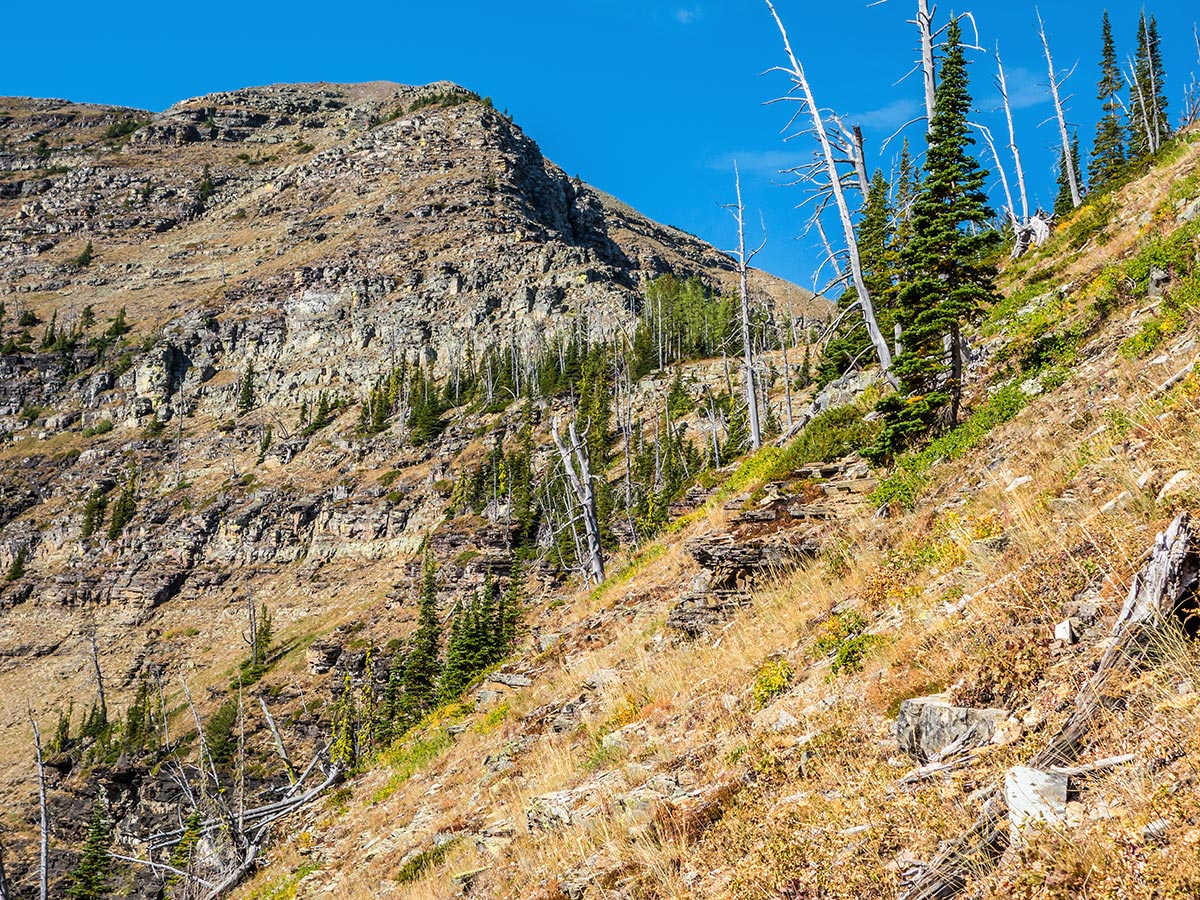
(1026, 89)
(886, 118)
(686, 16)
(761, 162)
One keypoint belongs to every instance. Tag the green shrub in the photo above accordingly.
(17, 569)
(218, 733)
(424, 861)
(772, 680)
(833, 434)
(843, 637)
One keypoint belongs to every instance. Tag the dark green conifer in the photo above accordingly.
(423, 665)
(948, 280)
(1108, 150)
(245, 401)
(89, 880)
(125, 506)
(93, 513)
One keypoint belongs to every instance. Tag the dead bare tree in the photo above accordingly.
(43, 814)
(1056, 82)
(279, 745)
(801, 92)
(743, 258)
(577, 467)
(1002, 84)
(1191, 92)
(91, 636)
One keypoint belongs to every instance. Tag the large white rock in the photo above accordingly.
(1034, 798)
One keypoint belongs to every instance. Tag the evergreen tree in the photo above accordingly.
(1148, 123)
(90, 878)
(245, 401)
(508, 614)
(124, 508)
(423, 666)
(949, 281)
(93, 513)
(1063, 201)
(387, 726)
(457, 669)
(181, 855)
(879, 262)
(737, 432)
(218, 733)
(1108, 150)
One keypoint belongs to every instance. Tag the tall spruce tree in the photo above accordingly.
(1108, 149)
(90, 877)
(949, 280)
(1148, 122)
(423, 664)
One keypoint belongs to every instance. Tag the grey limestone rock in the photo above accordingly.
(926, 726)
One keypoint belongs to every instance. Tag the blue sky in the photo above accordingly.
(651, 101)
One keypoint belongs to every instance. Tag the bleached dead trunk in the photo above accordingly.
(924, 23)
(743, 261)
(987, 138)
(43, 814)
(578, 469)
(800, 80)
(1068, 156)
(1002, 83)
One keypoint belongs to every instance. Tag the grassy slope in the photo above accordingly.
(809, 805)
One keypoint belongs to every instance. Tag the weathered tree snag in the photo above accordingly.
(91, 634)
(744, 258)
(1055, 83)
(987, 137)
(43, 816)
(1167, 581)
(1002, 84)
(279, 745)
(578, 469)
(800, 83)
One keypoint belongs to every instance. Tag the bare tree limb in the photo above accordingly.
(743, 258)
(800, 82)
(279, 745)
(1002, 84)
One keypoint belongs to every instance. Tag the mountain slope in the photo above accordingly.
(196, 305)
(682, 739)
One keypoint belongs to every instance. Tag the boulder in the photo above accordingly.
(1034, 797)
(926, 726)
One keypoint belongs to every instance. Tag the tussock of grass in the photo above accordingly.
(409, 756)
